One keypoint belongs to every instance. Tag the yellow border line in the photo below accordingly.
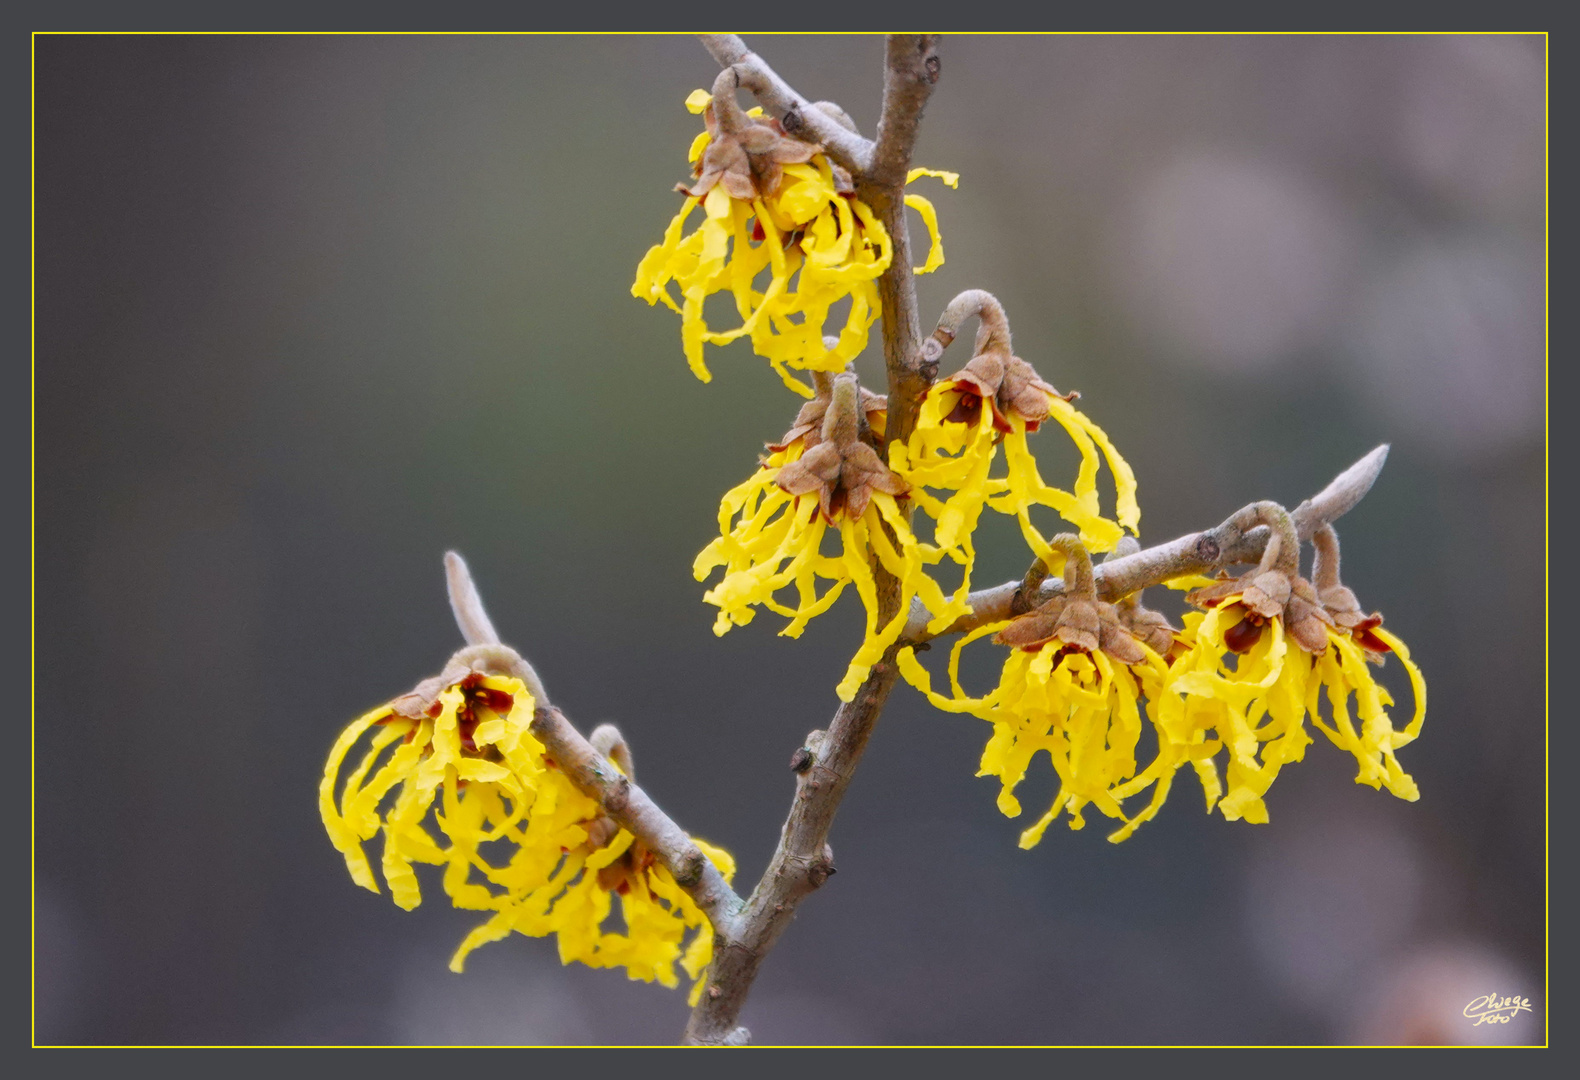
(33, 525)
(32, 538)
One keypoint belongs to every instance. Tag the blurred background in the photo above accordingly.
(312, 310)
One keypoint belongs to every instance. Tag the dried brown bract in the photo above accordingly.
(1151, 628)
(1076, 618)
(1274, 590)
(1081, 623)
(746, 155)
(465, 669)
(808, 425)
(994, 373)
(843, 470)
(1339, 601)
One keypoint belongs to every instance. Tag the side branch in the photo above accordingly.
(794, 112)
(1194, 553)
(634, 811)
(591, 773)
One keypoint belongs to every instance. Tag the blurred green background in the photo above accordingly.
(312, 310)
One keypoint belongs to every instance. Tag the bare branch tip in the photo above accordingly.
(466, 604)
(607, 740)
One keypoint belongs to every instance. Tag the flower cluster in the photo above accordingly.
(1289, 648)
(453, 777)
(1098, 685)
(1071, 685)
(777, 206)
(1239, 680)
(783, 233)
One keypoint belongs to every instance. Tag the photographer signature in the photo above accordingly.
(1492, 1009)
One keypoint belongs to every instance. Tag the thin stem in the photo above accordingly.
(841, 420)
(588, 769)
(992, 329)
(1030, 585)
(1078, 578)
(608, 741)
(1325, 566)
(909, 75)
(634, 811)
(726, 110)
(1128, 545)
(795, 113)
(1193, 553)
(1339, 497)
(1282, 551)
(801, 864)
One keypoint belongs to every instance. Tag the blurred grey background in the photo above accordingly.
(312, 310)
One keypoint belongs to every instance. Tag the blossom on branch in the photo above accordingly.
(777, 206)
(476, 773)
(590, 862)
(996, 400)
(772, 529)
(1287, 650)
(514, 835)
(1071, 685)
(460, 738)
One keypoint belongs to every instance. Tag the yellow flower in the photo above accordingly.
(1344, 671)
(770, 540)
(1080, 666)
(1071, 685)
(465, 746)
(773, 526)
(997, 400)
(518, 838)
(798, 222)
(1255, 710)
(568, 886)
(1288, 647)
(1081, 707)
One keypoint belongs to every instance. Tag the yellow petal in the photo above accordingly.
(950, 178)
(935, 251)
(345, 839)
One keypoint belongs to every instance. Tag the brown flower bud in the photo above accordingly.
(1274, 590)
(843, 470)
(994, 374)
(1339, 602)
(808, 426)
(1075, 618)
(746, 155)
